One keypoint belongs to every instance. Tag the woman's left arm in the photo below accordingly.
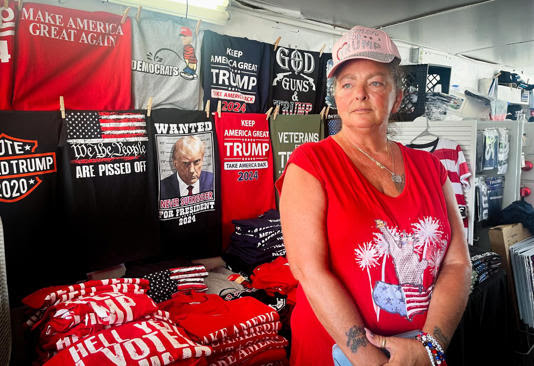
(451, 292)
(449, 296)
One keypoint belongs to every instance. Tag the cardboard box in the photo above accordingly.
(503, 236)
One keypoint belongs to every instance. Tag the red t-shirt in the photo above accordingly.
(208, 318)
(83, 56)
(385, 250)
(7, 54)
(246, 159)
(275, 277)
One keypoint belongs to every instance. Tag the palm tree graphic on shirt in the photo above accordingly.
(412, 254)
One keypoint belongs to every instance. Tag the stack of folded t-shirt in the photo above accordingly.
(97, 322)
(240, 332)
(484, 264)
(230, 286)
(255, 241)
(190, 278)
(275, 277)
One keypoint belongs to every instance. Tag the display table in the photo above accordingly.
(484, 333)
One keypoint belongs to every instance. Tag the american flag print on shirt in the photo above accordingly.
(103, 137)
(105, 127)
(416, 299)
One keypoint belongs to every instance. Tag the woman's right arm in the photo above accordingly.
(302, 211)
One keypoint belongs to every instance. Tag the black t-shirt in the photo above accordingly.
(236, 71)
(37, 250)
(296, 80)
(190, 222)
(109, 201)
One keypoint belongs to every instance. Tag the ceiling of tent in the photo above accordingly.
(497, 31)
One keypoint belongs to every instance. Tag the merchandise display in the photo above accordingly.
(255, 241)
(8, 18)
(288, 132)
(107, 187)
(183, 160)
(237, 72)
(142, 158)
(452, 157)
(93, 45)
(246, 165)
(30, 201)
(296, 80)
(165, 64)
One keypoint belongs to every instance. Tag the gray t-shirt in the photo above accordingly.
(165, 64)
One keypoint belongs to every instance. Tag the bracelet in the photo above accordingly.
(433, 348)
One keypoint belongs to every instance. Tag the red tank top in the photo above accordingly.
(386, 250)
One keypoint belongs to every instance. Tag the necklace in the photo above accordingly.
(396, 178)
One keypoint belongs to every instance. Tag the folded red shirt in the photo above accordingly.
(148, 342)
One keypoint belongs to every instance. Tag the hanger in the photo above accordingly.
(423, 133)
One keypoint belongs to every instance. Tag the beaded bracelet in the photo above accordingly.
(433, 348)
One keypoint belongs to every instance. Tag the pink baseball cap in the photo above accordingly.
(362, 42)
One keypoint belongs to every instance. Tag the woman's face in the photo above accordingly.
(365, 93)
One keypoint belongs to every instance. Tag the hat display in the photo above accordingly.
(363, 42)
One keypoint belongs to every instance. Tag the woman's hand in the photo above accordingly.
(403, 351)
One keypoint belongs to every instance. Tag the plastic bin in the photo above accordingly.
(417, 80)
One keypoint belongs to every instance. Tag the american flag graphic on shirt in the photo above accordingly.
(416, 298)
(94, 127)
(101, 137)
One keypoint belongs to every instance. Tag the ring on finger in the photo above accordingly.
(383, 342)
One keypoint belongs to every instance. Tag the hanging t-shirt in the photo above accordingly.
(188, 198)
(30, 201)
(453, 159)
(165, 64)
(288, 132)
(83, 56)
(329, 87)
(324, 83)
(7, 52)
(246, 168)
(237, 72)
(30, 205)
(295, 83)
(332, 122)
(107, 188)
(491, 148)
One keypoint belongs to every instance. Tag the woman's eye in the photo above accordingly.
(346, 86)
(377, 83)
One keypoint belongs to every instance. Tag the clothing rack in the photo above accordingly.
(464, 133)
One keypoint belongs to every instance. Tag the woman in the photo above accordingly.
(372, 229)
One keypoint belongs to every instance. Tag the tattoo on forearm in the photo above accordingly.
(440, 337)
(356, 338)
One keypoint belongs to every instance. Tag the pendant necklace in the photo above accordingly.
(396, 178)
